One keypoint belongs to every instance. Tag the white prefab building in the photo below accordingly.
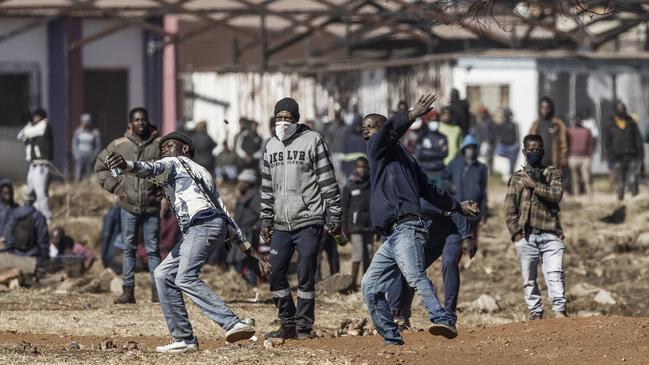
(586, 84)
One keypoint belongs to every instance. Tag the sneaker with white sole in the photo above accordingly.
(179, 346)
(238, 332)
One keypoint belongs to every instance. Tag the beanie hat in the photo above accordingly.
(289, 105)
(182, 137)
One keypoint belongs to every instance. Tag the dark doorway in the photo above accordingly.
(14, 99)
(106, 100)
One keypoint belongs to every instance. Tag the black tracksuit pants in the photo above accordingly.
(306, 241)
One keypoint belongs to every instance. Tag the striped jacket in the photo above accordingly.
(189, 202)
(528, 209)
(297, 182)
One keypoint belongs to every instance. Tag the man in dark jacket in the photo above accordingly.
(554, 133)
(432, 150)
(508, 140)
(623, 142)
(298, 183)
(397, 185)
(204, 145)
(7, 205)
(249, 147)
(484, 131)
(353, 147)
(139, 199)
(460, 112)
(37, 137)
(246, 214)
(466, 178)
(449, 236)
(356, 216)
(26, 232)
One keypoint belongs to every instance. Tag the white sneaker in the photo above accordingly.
(240, 331)
(178, 346)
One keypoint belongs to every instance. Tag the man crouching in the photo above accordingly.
(205, 223)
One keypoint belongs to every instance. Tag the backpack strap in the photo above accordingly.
(201, 185)
(232, 226)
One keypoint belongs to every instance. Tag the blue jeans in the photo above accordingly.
(131, 223)
(449, 247)
(179, 273)
(401, 252)
(548, 249)
(83, 166)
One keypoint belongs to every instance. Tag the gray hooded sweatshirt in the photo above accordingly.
(297, 181)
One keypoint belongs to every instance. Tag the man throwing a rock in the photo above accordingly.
(205, 223)
(398, 182)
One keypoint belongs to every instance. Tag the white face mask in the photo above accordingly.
(433, 126)
(284, 130)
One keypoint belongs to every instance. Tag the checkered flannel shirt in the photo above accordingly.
(524, 208)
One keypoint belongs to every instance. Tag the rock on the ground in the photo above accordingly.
(337, 283)
(116, 285)
(583, 290)
(7, 275)
(642, 240)
(74, 345)
(604, 297)
(107, 345)
(352, 327)
(268, 345)
(271, 343)
(101, 283)
(130, 346)
(70, 284)
(26, 264)
(486, 304)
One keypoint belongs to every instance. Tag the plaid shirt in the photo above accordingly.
(524, 208)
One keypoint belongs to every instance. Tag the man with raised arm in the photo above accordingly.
(398, 182)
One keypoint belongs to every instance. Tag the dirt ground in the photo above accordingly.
(37, 324)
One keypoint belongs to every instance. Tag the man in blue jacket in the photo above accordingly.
(397, 185)
(466, 178)
(7, 205)
(26, 232)
(449, 236)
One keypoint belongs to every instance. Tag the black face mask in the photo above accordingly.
(534, 158)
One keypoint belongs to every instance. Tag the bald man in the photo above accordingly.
(397, 183)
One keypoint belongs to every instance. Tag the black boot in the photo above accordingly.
(154, 294)
(284, 332)
(127, 297)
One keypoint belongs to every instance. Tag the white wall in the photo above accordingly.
(27, 47)
(230, 96)
(120, 50)
(521, 75)
(373, 92)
